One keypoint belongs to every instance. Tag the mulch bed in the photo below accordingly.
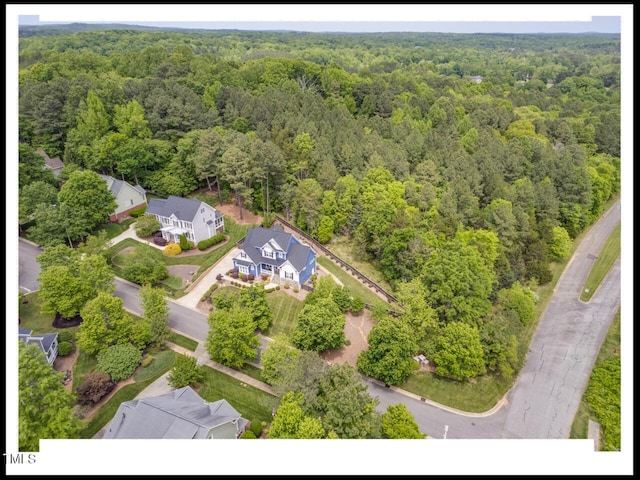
(63, 322)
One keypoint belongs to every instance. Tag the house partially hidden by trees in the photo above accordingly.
(128, 197)
(53, 164)
(281, 255)
(48, 342)
(177, 215)
(180, 414)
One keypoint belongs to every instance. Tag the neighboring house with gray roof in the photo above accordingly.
(48, 343)
(281, 255)
(128, 197)
(196, 219)
(180, 414)
(53, 164)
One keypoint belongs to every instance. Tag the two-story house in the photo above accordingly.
(281, 255)
(128, 197)
(178, 215)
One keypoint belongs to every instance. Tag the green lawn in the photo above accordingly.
(610, 347)
(478, 396)
(285, 310)
(181, 340)
(115, 229)
(252, 371)
(161, 362)
(610, 252)
(84, 364)
(31, 317)
(252, 403)
(356, 287)
(344, 248)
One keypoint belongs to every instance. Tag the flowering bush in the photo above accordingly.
(172, 249)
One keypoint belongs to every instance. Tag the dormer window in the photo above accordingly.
(268, 253)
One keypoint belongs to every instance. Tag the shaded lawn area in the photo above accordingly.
(285, 310)
(251, 402)
(32, 319)
(356, 288)
(251, 370)
(476, 397)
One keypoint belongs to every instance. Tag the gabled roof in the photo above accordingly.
(175, 415)
(43, 341)
(258, 237)
(116, 185)
(52, 163)
(184, 209)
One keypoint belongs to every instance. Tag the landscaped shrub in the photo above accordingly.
(277, 287)
(186, 371)
(66, 336)
(248, 434)
(119, 361)
(146, 361)
(159, 241)
(219, 277)
(138, 212)
(64, 348)
(264, 277)
(207, 295)
(357, 305)
(233, 273)
(217, 238)
(172, 249)
(287, 286)
(342, 297)
(184, 243)
(296, 289)
(243, 277)
(146, 225)
(256, 427)
(95, 386)
(251, 277)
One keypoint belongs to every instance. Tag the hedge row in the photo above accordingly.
(212, 289)
(217, 238)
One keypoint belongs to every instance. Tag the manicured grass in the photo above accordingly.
(32, 319)
(161, 363)
(227, 292)
(115, 229)
(610, 252)
(181, 340)
(476, 397)
(252, 403)
(252, 371)
(610, 348)
(356, 288)
(285, 310)
(172, 283)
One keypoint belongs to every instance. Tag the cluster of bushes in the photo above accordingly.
(233, 273)
(247, 277)
(217, 238)
(172, 249)
(95, 386)
(357, 305)
(66, 341)
(207, 295)
(269, 290)
(138, 212)
(185, 244)
(239, 285)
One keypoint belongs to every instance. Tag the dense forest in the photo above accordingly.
(460, 166)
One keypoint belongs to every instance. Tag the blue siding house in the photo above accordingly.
(281, 255)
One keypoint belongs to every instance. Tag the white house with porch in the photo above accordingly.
(177, 215)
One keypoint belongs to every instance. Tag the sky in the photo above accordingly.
(347, 457)
(476, 18)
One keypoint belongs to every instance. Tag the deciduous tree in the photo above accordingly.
(232, 340)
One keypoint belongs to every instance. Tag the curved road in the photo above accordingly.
(544, 399)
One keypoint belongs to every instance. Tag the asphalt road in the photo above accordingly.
(544, 399)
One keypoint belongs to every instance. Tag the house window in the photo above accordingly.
(243, 269)
(202, 210)
(131, 202)
(243, 255)
(268, 253)
(288, 275)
